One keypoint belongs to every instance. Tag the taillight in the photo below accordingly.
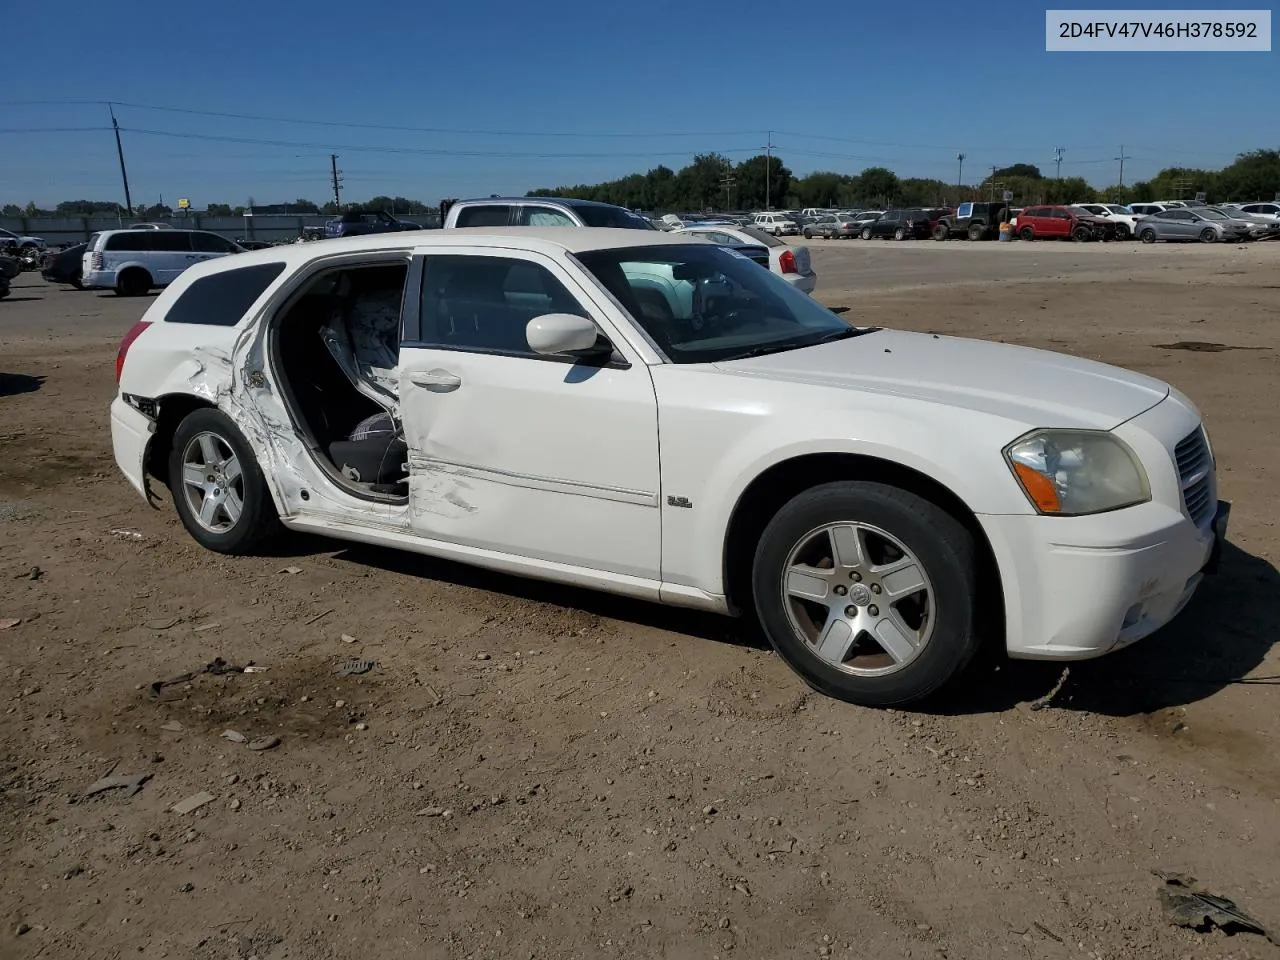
(134, 332)
(788, 262)
(95, 261)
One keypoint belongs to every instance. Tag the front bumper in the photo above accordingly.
(1080, 587)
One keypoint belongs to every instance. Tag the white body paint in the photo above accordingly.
(580, 475)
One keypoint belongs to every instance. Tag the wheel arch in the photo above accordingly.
(780, 482)
(171, 410)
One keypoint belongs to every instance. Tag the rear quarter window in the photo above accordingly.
(220, 300)
(484, 216)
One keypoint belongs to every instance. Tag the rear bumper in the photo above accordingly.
(130, 434)
(99, 279)
(804, 282)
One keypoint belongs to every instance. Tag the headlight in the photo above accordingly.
(1073, 472)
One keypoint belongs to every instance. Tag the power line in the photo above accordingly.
(417, 151)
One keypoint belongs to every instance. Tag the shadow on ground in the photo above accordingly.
(706, 626)
(1223, 635)
(11, 384)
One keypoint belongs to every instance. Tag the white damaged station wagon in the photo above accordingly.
(656, 416)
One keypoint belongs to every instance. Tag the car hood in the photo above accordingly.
(1036, 387)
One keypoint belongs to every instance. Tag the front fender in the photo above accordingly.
(711, 452)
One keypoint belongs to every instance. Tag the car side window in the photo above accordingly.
(171, 241)
(483, 304)
(964, 210)
(544, 217)
(221, 299)
(210, 243)
(487, 215)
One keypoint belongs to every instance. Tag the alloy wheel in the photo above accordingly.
(858, 599)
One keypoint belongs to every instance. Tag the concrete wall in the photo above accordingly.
(72, 230)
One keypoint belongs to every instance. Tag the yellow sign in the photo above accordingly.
(184, 204)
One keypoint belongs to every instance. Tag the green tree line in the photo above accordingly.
(713, 182)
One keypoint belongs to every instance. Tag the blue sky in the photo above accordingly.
(504, 96)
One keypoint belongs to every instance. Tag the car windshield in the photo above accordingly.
(768, 239)
(701, 303)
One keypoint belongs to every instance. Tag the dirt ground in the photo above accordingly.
(537, 772)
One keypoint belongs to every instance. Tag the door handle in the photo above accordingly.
(437, 381)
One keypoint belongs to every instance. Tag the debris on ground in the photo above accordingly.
(1186, 905)
(253, 668)
(132, 782)
(1042, 702)
(318, 617)
(206, 626)
(31, 573)
(193, 802)
(173, 726)
(348, 638)
(127, 534)
(234, 736)
(9, 622)
(352, 668)
(289, 570)
(217, 667)
(264, 743)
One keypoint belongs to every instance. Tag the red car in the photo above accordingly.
(936, 214)
(1060, 223)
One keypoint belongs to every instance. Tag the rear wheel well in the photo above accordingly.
(173, 408)
(781, 482)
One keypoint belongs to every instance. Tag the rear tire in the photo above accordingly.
(866, 233)
(899, 234)
(854, 643)
(808, 234)
(940, 232)
(236, 515)
(133, 282)
(977, 231)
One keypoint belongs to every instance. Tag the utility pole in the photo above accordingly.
(728, 180)
(1057, 156)
(1122, 158)
(768, 156)
(124, 175)
(960, 171)
(993, 183)
(337, 190)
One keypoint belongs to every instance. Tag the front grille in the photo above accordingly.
(1195, 476)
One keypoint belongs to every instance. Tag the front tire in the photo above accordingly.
(1207, 235)
(868, 592)
(1081, 234)
(218, 488)
(1027, 233)
(899, 234)
(1122, 231)
(940, 232)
